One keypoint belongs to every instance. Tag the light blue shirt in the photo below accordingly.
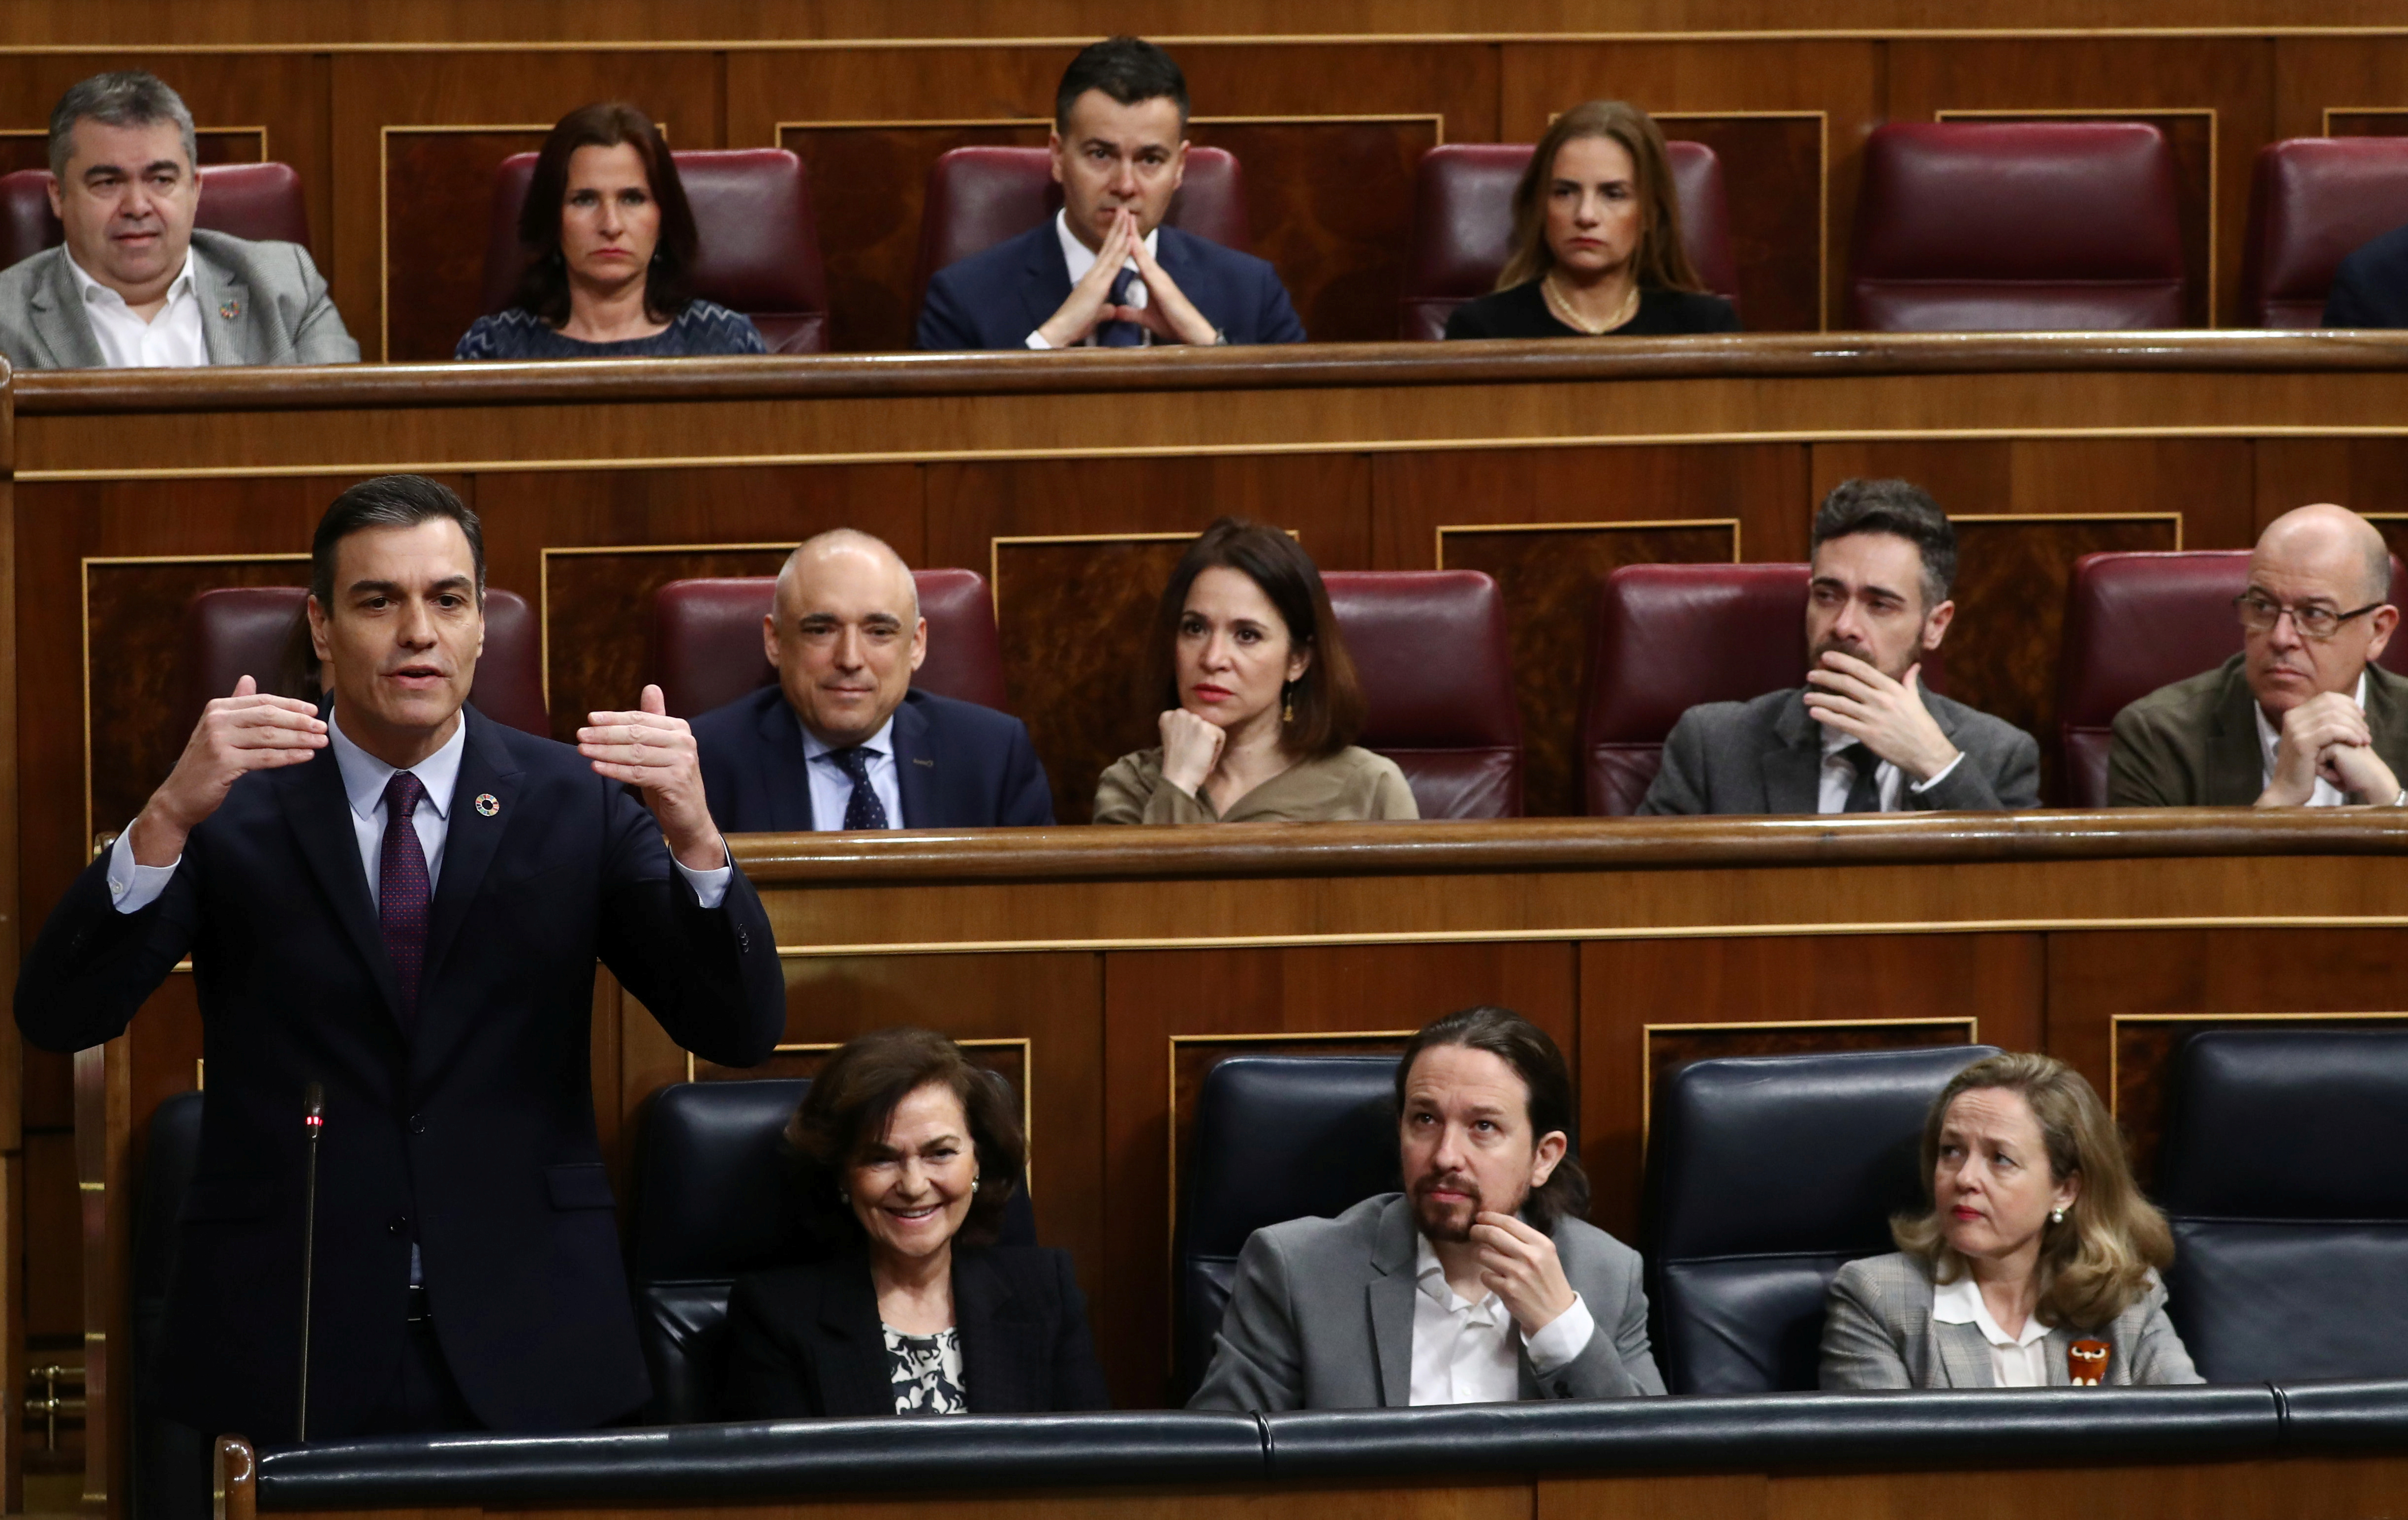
(832, 789)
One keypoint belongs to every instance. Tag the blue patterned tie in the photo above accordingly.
(865, 811)
(402, 892)
(1120, 335)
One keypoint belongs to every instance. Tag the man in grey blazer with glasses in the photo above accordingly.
(135, 285)
(1479, 1284)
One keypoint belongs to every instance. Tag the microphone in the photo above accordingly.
(313, 1120)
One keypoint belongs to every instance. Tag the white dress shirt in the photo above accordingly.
(1464, 1353)
(1839, 776)
(133, 887)
(2270, 739)
(171, 339)
(2016, 1361)
(1081, 258)
(832, 789)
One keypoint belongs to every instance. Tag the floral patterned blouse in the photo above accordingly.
(927, 1371)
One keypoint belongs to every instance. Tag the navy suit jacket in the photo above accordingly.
(475, 1133)
(997, 298)
(959, 766)
(2371, 287)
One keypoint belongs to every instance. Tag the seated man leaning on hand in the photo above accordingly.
(135, 286)
(2302, 716)
(1104, 270)
(840, 740)
(1479, 1284)
(1862, 735)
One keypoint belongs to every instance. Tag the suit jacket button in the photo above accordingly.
(418, 1124)
(743, 940)
(398, 1225)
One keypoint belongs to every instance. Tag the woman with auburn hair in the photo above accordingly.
(1261, 705)
(611, 247)
(906, 1155)
(1596, 240)
(2035, 1263)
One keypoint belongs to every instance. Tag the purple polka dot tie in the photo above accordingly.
(401, 890)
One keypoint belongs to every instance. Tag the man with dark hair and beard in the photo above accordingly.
(1862, 735)
(1478, 1284)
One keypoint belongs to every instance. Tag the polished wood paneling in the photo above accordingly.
(2206, 481)
(2367, 475)
(438, 197)
(1835, 992)
(1774, 169)
(597, 626)
(1549, 578)
(53, 1266)
(1151, 996)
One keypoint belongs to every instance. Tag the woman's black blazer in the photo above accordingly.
(805, 1341)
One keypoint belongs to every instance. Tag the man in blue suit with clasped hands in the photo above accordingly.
(402, 902)
(1104, 270)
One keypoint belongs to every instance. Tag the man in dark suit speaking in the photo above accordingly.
(1104, 270)
(842, 741)
(403, 901)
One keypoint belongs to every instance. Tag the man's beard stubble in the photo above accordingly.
(1434, 1221)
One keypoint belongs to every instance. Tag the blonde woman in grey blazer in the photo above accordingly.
(2035, 1238)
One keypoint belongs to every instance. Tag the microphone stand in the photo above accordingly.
(313, 1117)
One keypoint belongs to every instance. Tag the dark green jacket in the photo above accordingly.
(2193, 744)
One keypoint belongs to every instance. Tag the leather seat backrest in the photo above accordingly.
(2313, 202)
(980, 196)
(263, 632)
(1437, 669)
(1462, 226)
(168, 1456)
(715, 1198)
(707, 639)
(2039, 226)
(2136, 622)
(1274, 1138)
(759, 239)
(261, 201)
(1665, 637)
(2280, 1173)
(1765, 1175)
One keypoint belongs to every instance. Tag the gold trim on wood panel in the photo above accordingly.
(2175, 517)
(384, 208)
(2215, 150)
(1822, 191)
(543, 583)
(2332, 111)
(1731, 522)
(2117, 1021)
(1970, 1024)
(83, 631)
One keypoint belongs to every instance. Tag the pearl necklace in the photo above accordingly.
(1563, 312)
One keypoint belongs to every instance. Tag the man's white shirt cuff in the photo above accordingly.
(133, 887)
(1558, 1345)
(1945, 771)
(1036, 341)
(711, 887)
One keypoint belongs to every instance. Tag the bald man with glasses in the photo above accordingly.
(2302, 716)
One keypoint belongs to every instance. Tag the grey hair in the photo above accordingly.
(2378, 569)
(123, 97)
(853, 538)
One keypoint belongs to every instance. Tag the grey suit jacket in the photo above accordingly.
(1322, 1316)
(2193, 744)
(1878, 1333)
(1767, 756)
(261, 304)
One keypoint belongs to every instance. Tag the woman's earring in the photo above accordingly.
(974, 1182)
(2057, 1216)
(1287, 703)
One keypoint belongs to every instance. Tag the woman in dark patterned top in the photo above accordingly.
(907, 1156)
(1596, 240)
(611, 246)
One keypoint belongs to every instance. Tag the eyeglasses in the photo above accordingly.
(2259, 613)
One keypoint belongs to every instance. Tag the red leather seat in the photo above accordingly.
(979, 196)
(2051, 226)
(258, 201)
(760, 242)
(707, 640)
(255, 631)
(2313, 202)
(1462, 226)
(2136, 622)
(1437, 669)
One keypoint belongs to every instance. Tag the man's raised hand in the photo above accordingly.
(656, 754)
(237, 734)
(1091, 298)
(1169, 314)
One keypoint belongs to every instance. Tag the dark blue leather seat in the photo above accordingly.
(2281, 1173)
(1275, 1138)
(1767, 1174)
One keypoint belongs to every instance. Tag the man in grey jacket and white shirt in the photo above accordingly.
(1479, 1284)
(135, 285)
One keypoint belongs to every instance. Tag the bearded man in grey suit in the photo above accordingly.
(1479, 1284)
(1862, 735)
(135, 285)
